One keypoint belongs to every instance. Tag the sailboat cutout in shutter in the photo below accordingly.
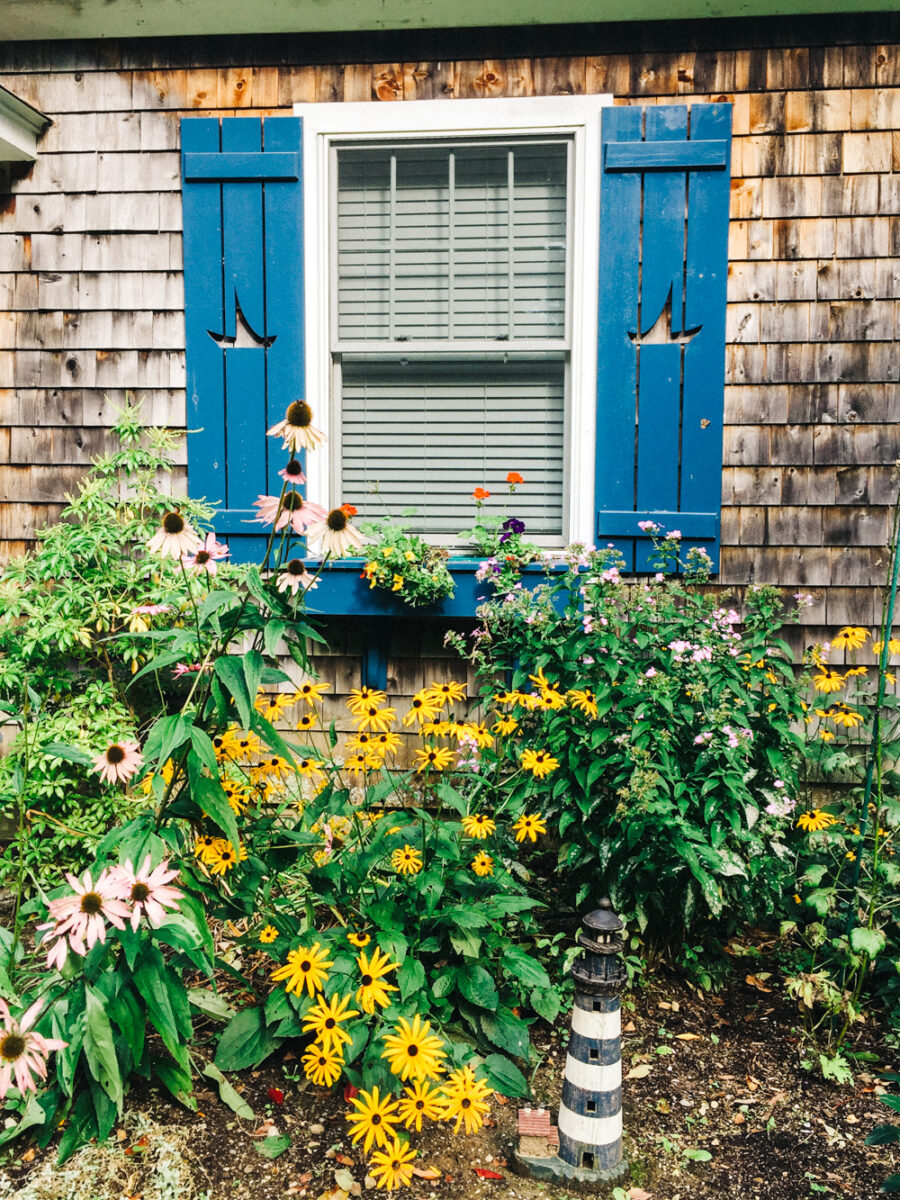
(661, 368)
(243, 270)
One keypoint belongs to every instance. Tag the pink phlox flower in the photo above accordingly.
(779, 783)
(207, 556)
(604, 621)
(611, 575)
(147, 890)
(648, 526)
(81, 918)
(781, 807)
(658, 577)
(702, 654)
(804, 599)
(650, 673)
(587, 660)
(151, 610)
(673, 535)
(587, 624)
(702, 738)
(119, 762)
(23, 1053)
(293, 510)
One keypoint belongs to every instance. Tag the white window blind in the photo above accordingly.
(443, 251)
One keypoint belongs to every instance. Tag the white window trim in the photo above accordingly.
(577, 116)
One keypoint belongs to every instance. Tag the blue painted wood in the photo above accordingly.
(242, 201)
(204, 310)
(241, 166)
(620, 226)
(286, 357)
(667, 403)
(660, 156)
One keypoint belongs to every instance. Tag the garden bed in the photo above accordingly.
(724, 1080)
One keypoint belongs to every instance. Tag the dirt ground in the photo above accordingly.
(717, 1106)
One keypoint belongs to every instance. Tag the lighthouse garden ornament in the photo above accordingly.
(585, 1147)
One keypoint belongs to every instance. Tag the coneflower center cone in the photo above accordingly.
(173, 522)
(293, 502)
(115, 754)
(12, 1047)
(91, 903)
(337, 520)
(299, 414)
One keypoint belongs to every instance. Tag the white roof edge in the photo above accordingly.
(21, 124)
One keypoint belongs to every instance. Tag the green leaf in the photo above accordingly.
(204, 749)
(891, 1184)
(211, 1005)
(443, 985)
(410, 977)
(546, 1003)
(253, 664)
(272, 635)
(477, 986)
(507, 1032)
(165, 736)
(230, 670)
(271, 1147)
(99, 1048)
(867, 941)
(176, 1080)
(504, 1076)
(698, 1155)
(33, 1115)
(208, 794)
(227, 1094)
(213, 602)
(883, 1135)
(69, 753)
(245, 1042)
(522, 966)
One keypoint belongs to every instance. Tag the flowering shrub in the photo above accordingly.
(639, 717)
(405, 565)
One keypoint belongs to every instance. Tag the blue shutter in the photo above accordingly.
(243, 282)
(661, 370)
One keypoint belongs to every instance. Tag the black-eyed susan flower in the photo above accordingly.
(828, 680)
(307, 721)
(434, 758)
(360, 741)
(413, 1051)
(268, 934)
(223, 857)
(374, 1119)
(506, 725)
(406, 861)
(482, 864)
(325, 1019)
(311, 692)
(393, 1167)
(539, 762)
(361, 763)
(584, 700)
(446, 693)
(236, 793)
(304, 969)
(529, 826)
(851, 637)
(421, 709)
(478, 826)
(385, 743)
(362, 698)
(273, 705)
(205, 847)
(359, 940)
(815, 820)
(893, 646)
(478, 732)
(372, 717)
(465, 1099)
(419, 1100)
(373, 988)
(847, 718)
(322, 1067)
(310, 767)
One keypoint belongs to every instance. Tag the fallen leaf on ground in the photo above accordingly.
(28, 1156)
(350, 1092)
(629, 1028)
(345, 1159)
(755, 981)
(688, 1037)
(344, 1179)
(501, 1099)
(486, 1173)
(426, 1173)
(274, 1145)
(641, 1071)
(637, 1193)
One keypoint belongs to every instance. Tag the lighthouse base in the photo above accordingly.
(554, 1170)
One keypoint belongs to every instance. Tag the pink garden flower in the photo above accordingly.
(207, 556)
(146, 890)
(295, 576)
(23, 1053)
(294, 511)
(119, 762)
(174, 537)
(292, 473)
(81, 918)
(151, 610)
(297, 428)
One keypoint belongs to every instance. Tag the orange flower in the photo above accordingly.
(480, 494)
(348, 510)
(514, 477)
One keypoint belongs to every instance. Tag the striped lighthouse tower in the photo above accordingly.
(589, 1126)
(590, 1115)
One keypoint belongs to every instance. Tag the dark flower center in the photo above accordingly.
(465, 1102)
(376, 1119)
(299, 414)
(337, 520)
(396, 1164)
(295, 567)
(304, 966)
(202, 556)
(12, 1047)
(140, 892)
(115, 754)
(293, 501)
(91, 903)
(330, 1023)
(293, 469)
(173, 522)
(367, 980)
(412, 1051)
(417, 704)
(420, 1104)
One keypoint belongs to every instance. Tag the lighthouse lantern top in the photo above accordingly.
(602, 925)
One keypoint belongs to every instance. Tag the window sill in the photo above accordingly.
(342, 591)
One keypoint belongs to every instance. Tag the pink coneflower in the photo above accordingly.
(297, 429)
(81, 918)
(147, 891)
(207, 558)
(291, 510)
(294, 575)
(174, 537)
(23, 1053)
(119, 762)
(336, 533)
(292, 473)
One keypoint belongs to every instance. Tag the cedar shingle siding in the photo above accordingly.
(91, 296)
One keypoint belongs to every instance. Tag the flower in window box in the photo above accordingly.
(480, 494)
(297, 428)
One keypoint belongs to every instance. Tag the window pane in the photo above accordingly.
(429, 434)
(452, 241)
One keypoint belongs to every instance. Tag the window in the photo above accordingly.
(451, 306)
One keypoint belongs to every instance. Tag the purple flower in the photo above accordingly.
(510, 526)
